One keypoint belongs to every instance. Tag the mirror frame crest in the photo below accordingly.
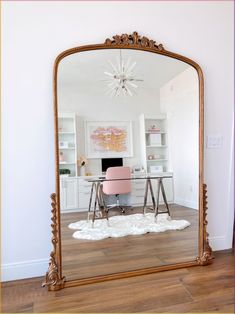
(54, 279)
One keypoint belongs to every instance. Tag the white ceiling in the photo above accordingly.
(85, 70)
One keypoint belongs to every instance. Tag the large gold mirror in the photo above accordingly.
(130, 197)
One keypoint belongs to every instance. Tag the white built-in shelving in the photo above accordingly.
(67, 142)
(153, 135)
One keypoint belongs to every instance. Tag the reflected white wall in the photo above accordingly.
(179, 99)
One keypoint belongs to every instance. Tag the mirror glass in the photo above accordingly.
(140, 111)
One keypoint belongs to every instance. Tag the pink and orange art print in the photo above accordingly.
(108, 139)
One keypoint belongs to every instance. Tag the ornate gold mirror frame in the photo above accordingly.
(54, 279)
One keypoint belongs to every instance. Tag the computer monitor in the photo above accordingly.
(110, 162)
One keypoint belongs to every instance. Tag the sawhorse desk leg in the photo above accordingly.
(161, 187)
(147, 187)
(98, 199)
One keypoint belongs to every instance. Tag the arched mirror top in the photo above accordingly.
(133, 41)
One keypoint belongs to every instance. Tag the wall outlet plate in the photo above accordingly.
(214, 141)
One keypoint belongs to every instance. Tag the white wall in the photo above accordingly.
(179, 99)
(33, 34)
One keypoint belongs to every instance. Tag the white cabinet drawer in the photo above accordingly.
(139, 191)
(138, 199)
(84, 199)
(85, 191)
(84, 202)
(68, 194)
(84, 187)
(84, 183)
(168, 187)
(138, 184)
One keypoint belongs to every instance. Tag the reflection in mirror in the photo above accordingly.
(133, 115)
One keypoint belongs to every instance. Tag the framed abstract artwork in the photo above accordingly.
(108, 139)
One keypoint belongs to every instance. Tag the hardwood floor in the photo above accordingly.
(84, 259)
(194, 289)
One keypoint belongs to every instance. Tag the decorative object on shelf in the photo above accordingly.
(155, 139)
(65, 172)
(82, 171)
(63, 144)
(154, 129)
(106, 139)
(82, 163)
(155, 157)
(155, 169)
(62, 157)
(121, 79)
(137, 169)
(158, 157)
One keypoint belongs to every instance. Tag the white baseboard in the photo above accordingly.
(36, 268)
(76, 210)
(21, 270)
(186, 203)
(220, 243)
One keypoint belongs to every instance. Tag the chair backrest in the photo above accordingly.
(117, 187)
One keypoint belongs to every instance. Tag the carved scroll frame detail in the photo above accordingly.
(133, 40)
(207, 256)
(53, 279)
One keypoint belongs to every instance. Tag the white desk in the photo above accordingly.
(75, 192)
(96, 191)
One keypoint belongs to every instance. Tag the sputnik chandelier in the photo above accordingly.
(121, 79)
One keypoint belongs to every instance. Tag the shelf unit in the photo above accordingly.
(159, 146)
(153, 136)
(67, 142)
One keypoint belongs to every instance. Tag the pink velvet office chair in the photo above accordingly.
(117, 187)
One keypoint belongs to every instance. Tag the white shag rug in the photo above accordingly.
(120, 226)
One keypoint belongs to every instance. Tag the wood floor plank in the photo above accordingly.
(219, 302)
(194, 289)
(84, 258)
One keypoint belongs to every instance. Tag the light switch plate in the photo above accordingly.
(214, 141)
